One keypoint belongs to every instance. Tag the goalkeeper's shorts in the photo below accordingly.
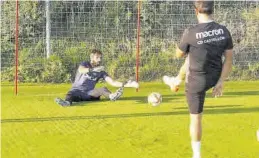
(78, 96)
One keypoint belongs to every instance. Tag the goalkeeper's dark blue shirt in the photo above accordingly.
(87, 81)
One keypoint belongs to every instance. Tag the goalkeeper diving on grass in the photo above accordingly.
(88, 74)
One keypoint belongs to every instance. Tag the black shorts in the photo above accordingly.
(76, 95)
(195, 89)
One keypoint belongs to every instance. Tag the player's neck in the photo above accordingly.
(93, 64)
(203, 18)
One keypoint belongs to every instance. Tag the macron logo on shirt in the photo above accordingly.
(210, 33)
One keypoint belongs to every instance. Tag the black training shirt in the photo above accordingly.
(205, 44)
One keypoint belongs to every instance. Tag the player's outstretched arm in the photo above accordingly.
(131, 84)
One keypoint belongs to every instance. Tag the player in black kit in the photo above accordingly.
(204, 45)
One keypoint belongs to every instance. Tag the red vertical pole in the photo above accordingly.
(16, 47)
(138, 34)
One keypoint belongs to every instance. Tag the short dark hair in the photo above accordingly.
(203, 6)
(96, 51)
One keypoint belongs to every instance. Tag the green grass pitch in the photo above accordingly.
(33, 126)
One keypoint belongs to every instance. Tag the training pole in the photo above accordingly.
(138, 36)
(16, 46)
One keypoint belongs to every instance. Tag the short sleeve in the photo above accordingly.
(104, 74)
(229, 44)
(86, 64)
(184, 43)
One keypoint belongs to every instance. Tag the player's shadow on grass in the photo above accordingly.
(231, 110)
(211, 107)
(136, 99)
(134, 115)
(235, 94)
(87, 103)
(143, 99)
(243, 93)
(168, 98)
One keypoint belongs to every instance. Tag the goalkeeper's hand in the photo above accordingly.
(132, 84)
(98, 69)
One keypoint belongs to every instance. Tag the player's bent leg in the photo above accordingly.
(172, 82)
(72, 96)
(98, 92)
(86, 97)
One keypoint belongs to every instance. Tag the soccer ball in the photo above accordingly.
(154, 98)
